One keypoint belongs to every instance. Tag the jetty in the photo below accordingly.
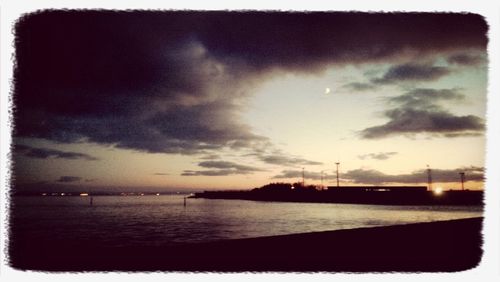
(372, 195)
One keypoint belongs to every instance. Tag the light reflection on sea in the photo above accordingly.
(163, 220)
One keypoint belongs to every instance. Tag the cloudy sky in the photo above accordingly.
(241, 99)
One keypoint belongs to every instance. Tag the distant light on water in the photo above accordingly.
(84, 194)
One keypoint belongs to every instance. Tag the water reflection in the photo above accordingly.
(163, 220)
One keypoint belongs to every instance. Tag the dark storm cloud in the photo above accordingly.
(302, 41)
(134, 80)
(466, 59)
(307, 175)
(365, 176)
(378, 156)
(175, 82)
(67, 179)
(412, 72)
(419, 111)
(43, 153)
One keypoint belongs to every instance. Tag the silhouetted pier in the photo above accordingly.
(373, 195)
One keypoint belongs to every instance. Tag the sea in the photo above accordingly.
(163, 220)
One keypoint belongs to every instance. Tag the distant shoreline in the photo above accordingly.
(346, 195)
(444, 246)
(99, 193)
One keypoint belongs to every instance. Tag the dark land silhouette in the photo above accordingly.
(445, 246)
(375, 195)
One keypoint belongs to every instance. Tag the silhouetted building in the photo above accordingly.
(378, 188)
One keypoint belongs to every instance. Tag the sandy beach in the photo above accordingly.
(443, 246)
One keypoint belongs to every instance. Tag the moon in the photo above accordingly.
(327, 90)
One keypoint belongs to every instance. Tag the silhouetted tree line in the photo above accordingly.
(285, 187)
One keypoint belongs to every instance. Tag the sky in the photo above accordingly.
(236, 100)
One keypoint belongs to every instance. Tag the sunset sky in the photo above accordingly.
(234, 100)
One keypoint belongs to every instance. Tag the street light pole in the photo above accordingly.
(429, 178)
(337, 163)
(462, 177)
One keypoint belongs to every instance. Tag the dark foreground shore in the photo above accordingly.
(444, 246)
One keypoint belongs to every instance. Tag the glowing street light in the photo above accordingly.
(438, 191)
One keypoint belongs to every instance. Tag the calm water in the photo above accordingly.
(163, 220)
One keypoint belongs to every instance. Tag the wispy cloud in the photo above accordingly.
(464, 59)
(227, 165)
(214, 172)
(412, 72)
(67, 179)
(44, 153)
(364, 176)
(221, 168)
(307, 175)
(210, 157)
(419, 111)
(437, 123)
(426, 98)
(279, 159)
(378, 156)
(359, 86)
